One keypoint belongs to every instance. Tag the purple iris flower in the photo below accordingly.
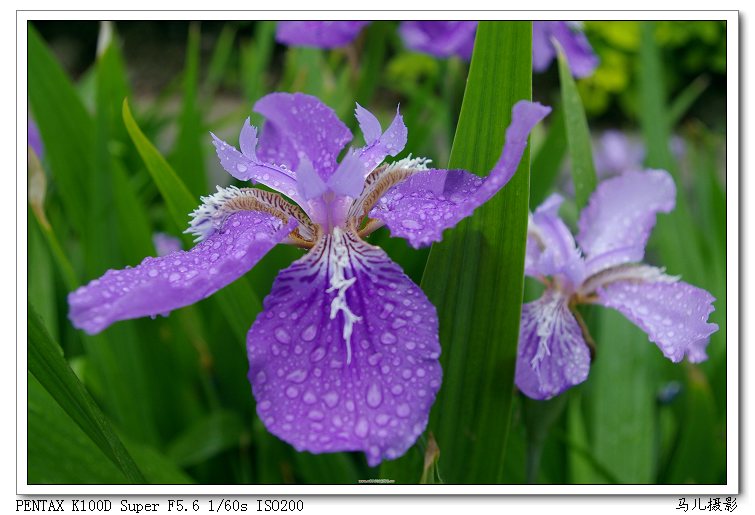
(447, 38)
(440, 38)
(344, 355)
(319, 34)
(33, 139)
(165, 243)
(613, 231)
(577, 50)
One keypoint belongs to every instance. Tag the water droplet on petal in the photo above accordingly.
(282, 335)
(362, 427)
(241, 168)
(292, 392)
(403, 410)
(388, 338)
(331, 399)
(374, 395)
(298, 376)
(309, 333)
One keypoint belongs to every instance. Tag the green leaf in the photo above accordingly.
(188, 154)
(686, 98)
(66, 129)
(623, 385)
(547, 162)
(479, 305)
(46, 363)
(206, 438)
(219, 60)
(577, 134)
(255, 57)
(177, 196)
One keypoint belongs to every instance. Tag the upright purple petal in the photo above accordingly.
(368, 124)
(159, 285)
(33, 139)
(556, 253)
(440, 38)
(674, 314)
(344, 356)
(318, 34)
(620, 215)
(552, 354)
(577, 50)
(309, 128)
(249, 168)
(389, 143)
(430, 201)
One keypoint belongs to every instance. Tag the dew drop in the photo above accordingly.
(362, 428)
(331, 399)
(308, 334)
(374, 395)
(282, 335)
(316, 415)
(309, 397)
(411, 224)
(153, 273)
(264, 405)
(403, 410)
(174, 277)
(292, 392)
(317, 354)
(241, 168)
(388, 338)
(298, 376)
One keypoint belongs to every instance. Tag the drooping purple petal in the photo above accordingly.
(552, 354)
(318, 34)
(388, 143)
(309, 127)
(250, 168)
(33, 139)
(424, 205)
(579, 54)
(674, 314)
(344, 356)
(440, 38)
(160, 285)
(555, 251)
(616, 224)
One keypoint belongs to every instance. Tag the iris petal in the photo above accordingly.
(423, 206)
(552, 355)
(159, 285)
(620, 216)
(344, 356)
(309, 127)
(673, 313)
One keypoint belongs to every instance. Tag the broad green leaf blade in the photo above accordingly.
(577, 134)
(207, 437)
(58, 451)
(48, 366)
(479, 304)
(188, 154)
(547, 162)
(65, 126)
(622, 386)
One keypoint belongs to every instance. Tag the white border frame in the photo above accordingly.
(191, 491)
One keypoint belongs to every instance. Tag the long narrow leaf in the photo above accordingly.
(46, 363)
(577, 135)
(475, 276)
